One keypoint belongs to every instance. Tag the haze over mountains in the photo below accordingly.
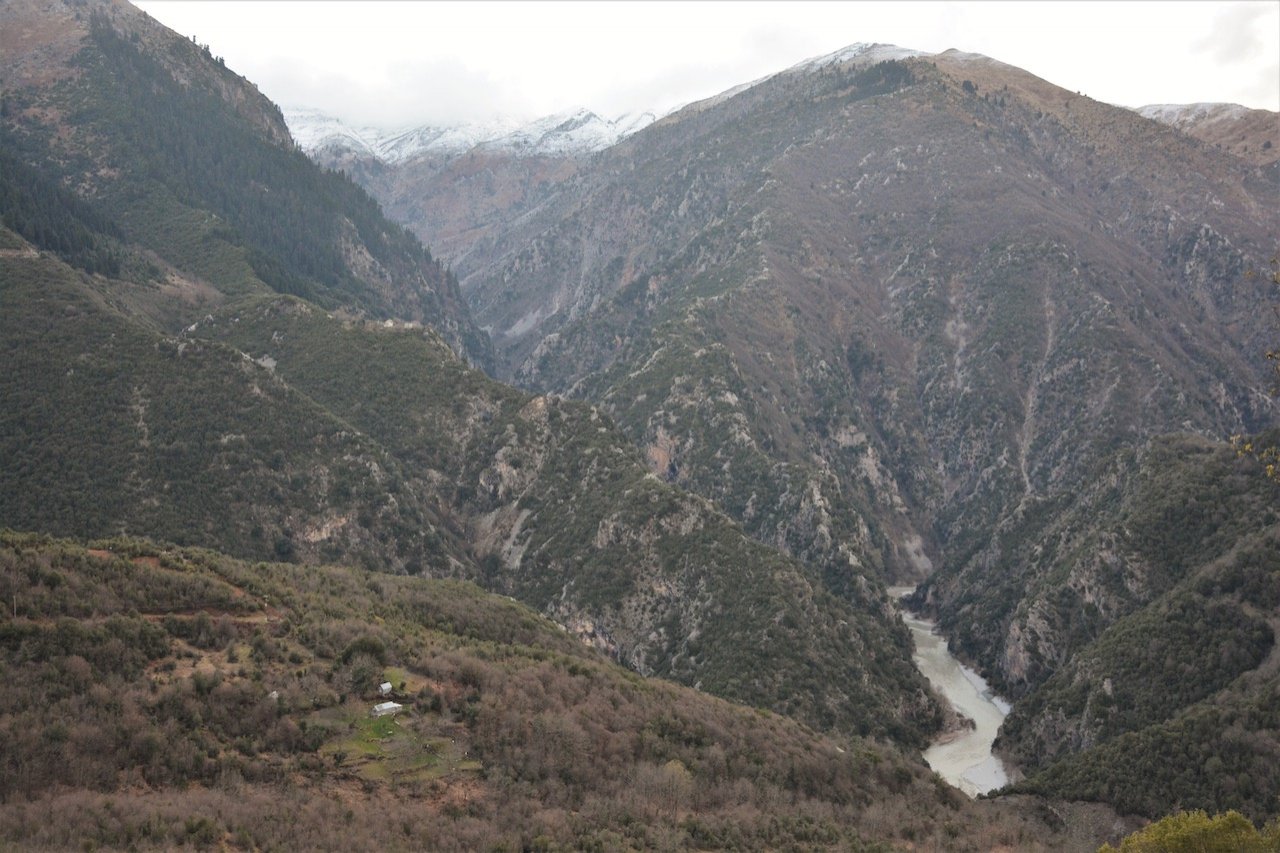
(881, 317)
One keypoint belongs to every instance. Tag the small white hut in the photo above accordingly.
(385, 688)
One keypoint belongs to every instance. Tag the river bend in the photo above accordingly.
(962, 758)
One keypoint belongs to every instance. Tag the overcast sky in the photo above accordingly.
(407, 62)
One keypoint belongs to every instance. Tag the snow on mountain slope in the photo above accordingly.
(867, 52)
(1252, 135)
(576, 132)
(1180, 115)
(313, 130)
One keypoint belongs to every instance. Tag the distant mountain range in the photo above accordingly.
(567, 134)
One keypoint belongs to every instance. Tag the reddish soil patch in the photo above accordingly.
(100, 554)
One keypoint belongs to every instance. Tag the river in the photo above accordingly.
(964, 759)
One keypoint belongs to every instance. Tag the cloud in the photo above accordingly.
(1234, 36)
(1265, 88)
(406, 63)
(673, 86)
(405, 93)
(447, 91)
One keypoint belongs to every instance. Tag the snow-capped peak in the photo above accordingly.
(867, 52)
(313, 130)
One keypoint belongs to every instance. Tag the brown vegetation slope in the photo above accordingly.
(160, 698)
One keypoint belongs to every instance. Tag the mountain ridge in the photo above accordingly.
(326, 136)
(1251, 134)
(571, 133)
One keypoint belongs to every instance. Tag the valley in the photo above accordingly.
(922, 318)
(697, 478)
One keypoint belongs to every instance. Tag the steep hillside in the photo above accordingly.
(192, 163)
(109, 427)
(562, 513)
(1070, 567)
(160, 698)
(1166, 690)
(314, 437)
(873, 309)
(160, 385)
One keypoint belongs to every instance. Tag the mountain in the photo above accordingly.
(183, 367)
(1252, 135)
(882, 316)
(930, 318)
(194, 165)
(905, 338)
(461, 184)
(1165, 687)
